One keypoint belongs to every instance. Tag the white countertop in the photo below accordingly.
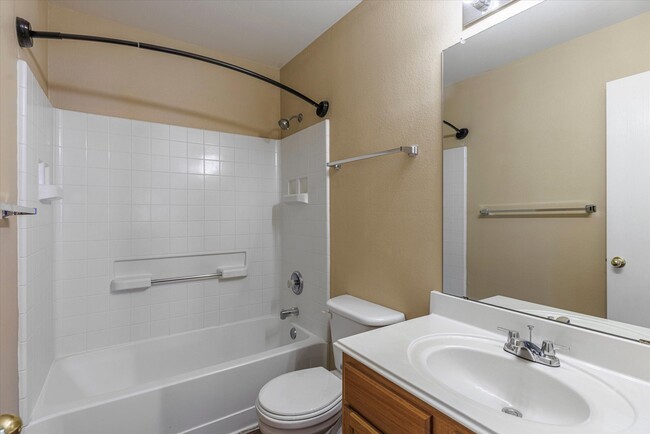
(386, 351)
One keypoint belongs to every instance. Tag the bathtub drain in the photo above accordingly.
(512, 411)
(293, 333)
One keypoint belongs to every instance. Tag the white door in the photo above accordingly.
(628, 199)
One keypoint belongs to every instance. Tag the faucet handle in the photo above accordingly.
(513, 335)
(548, 347)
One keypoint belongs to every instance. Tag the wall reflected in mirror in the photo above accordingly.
(542, 96)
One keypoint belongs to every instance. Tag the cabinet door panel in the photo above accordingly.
(442, 425)
(355, 424)
(380, 406)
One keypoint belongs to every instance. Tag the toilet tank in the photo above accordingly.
(352, 315)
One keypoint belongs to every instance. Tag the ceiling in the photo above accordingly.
(542, 26)
(270, 32)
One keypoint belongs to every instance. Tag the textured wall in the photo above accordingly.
(380, 68)
(138, 84)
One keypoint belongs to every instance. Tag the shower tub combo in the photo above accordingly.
(200, 382)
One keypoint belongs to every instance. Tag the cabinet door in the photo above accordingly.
(355, 424)
(444, 425)
(386, 410)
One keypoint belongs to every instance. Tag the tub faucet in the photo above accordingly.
(527, 350)
(284, 313)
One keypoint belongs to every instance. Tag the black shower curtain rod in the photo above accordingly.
(26, 38)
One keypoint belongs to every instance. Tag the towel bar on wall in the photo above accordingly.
(7, 210)
(587, 209)
(411, 150)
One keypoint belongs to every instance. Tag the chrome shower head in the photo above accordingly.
(284, 123)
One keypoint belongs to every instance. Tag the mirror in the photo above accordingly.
(556, 101)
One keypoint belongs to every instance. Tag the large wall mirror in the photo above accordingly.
(547, 199)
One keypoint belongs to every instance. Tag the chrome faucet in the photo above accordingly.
(284, 313)
(527, 350)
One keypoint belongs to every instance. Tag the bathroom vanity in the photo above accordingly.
(372, 405)
(448, 373)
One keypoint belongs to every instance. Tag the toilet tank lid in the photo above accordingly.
(364, 312)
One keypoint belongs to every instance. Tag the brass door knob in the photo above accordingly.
(618, 262)
(10, 424)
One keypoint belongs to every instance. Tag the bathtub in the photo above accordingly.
(200, 382)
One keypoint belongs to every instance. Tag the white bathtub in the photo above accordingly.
(201, 382)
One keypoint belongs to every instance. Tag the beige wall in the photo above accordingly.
(380, 69)
(36, 12)
(138, 84)
(537, 134)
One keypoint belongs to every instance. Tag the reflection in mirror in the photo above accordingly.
(557, 101)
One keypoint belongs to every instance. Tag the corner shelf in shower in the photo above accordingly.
(48, 192)
(296, 198)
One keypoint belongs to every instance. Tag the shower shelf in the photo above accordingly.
(47, 193)
(296, 198)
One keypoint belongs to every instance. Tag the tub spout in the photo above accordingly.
(284, 313)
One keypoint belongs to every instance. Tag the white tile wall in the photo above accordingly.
(35, 242)
(305, 227)
(138, 189)
(454, 239)
(135, 189)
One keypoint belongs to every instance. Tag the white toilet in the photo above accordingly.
(309, 401)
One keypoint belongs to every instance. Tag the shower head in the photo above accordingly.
(460, 133)
(284, 123)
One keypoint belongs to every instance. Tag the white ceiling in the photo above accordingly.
(270, 32)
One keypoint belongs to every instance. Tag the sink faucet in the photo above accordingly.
(527, 350)
(284, 313)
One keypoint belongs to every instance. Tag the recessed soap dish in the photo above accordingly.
(297, 191)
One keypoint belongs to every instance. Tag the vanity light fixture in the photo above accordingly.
(481, 5)
(474, 10)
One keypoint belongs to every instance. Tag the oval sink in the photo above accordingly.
(479, 370)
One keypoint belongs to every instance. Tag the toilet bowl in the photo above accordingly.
(309, 401)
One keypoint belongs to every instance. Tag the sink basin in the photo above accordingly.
(477, 369)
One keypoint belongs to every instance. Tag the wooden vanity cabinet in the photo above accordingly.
(374, 405)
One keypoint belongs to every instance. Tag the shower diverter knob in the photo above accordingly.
(296, 282)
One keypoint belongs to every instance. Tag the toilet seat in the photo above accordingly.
(301, 399)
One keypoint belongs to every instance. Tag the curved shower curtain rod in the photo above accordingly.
(26, 38)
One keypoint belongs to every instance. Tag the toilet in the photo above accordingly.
(309, 401)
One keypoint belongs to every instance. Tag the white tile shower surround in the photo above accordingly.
(134, 189)
(139, 189)
(454, 221)
(35, 241)
(305, 227)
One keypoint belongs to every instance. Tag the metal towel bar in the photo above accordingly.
(588, 209)
(7, 210)
(411, 150)
(216, 275)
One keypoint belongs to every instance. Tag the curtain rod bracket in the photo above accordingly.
(26, 37)
(24, 32)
